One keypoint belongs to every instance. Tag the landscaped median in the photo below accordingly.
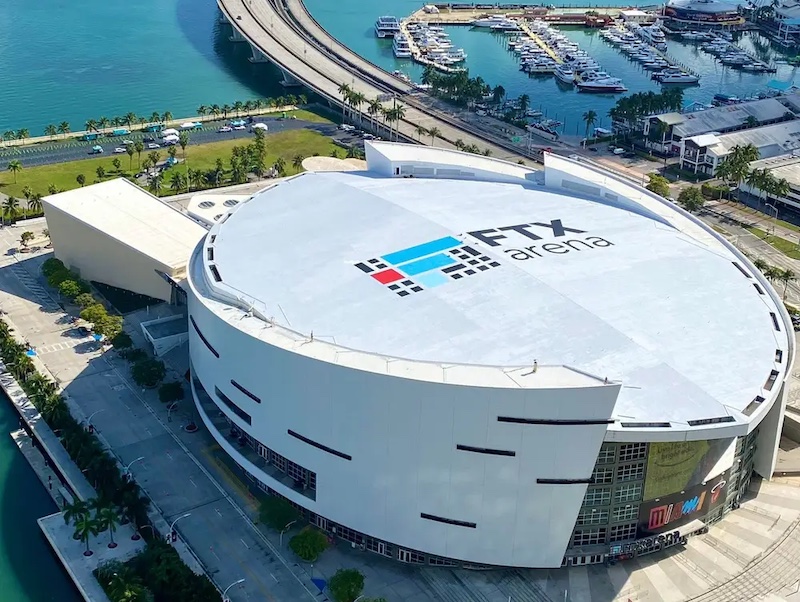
(787, 247)
(157, 574)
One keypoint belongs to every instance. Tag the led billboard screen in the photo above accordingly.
(680, 465)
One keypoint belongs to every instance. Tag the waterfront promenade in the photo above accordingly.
(324, 65)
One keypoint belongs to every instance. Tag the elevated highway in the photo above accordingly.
(321, 63)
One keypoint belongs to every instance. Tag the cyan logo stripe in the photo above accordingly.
(428, 248)
(427, 264)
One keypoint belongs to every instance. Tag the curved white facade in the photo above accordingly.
(483, 461)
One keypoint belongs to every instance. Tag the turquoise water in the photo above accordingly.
(29, 571)
(489, 58)
(84, 59)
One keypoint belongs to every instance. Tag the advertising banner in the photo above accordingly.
(672, 511)
(679, 465)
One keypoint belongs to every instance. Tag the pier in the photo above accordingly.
(419, 56)
(540, 42)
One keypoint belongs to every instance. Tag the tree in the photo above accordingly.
(109, 326)
(122, 341)
(101, 172)
(148, 373)
(786, 276)
(346, 585)
(280, 165)
(202, 110)
(85, 527)
(155, 183)
(84, 300)
(691, 199)
(166, 117)
(25, 239)
(344, 90)
(297, 162)
(589, 118)
(658, 184)
(183, 141)
(93, 313)
(750, 122)
(309, 544)
(51, 266)
(81, 179)
(69, 289)
(11, 208)
(434, 133)
(63, 128)
(138, 146)
(52, 189)
(276, 512)
(498, 93)
(107, 518)
(172, 152)
(171, 391)
(177, 182)
(117, 164)
(35, 203)
(154, 157)
(72, 512)
(14, 166)
(23, 133)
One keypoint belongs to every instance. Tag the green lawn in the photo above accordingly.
(787, 247)
(202, 156)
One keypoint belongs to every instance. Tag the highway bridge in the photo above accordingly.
(284, 33)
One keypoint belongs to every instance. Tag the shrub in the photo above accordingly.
(691, 199)
(69, 289)
(148, 372)
(133, 355)
(169, 392)
(85, 300)
(276, 512)
(122, 341)
(52, 265)
(309, 544)
(94, 313)
(60, 276)
(109, 326)
(715, 192)
(658, 184)
(346, 585)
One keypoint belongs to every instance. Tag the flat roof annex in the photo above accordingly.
(727, 117)
(134, 217)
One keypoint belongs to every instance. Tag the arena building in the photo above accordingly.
(450, 359)
(680, 14)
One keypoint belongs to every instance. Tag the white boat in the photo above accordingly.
(401, 47)
(505, 25)
(564, 73)
(679, 78)
(387, 27)
(490, 21)
(599, 82)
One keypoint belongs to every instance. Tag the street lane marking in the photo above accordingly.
(244, 543)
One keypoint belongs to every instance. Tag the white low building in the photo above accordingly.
(451, 359)
(118, 234)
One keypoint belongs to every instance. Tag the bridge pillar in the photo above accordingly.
(288, 80)
(258, 56)
(236, 36)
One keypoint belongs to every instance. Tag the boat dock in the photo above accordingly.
(464, 14)
(419, 56)
(523, 25)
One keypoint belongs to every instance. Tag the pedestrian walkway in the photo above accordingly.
(32, 284)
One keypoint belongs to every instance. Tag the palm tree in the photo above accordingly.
(202, 110)
(103, 123)
(237, 107)
(155, 117)
(72, 512)
(101, 172)
(786, 276)
(356, 100)
(10, 135)
(524, 103)
(130, 150)
(183, 141)
(51, 131)
(421, 131)
(374, 107)
(297, 162)
(11, 208)
(344, 90)
(91, 125)
(399, 114)
(35, 203)
(177, 182)
(14, 166)
(215, 110)
(760, 265)
(280, 165)
(434, 133)
(107, 518)
(155, 184)
(63, 128)
(498, 92)
(154, 157)
(23, 133)
(85, 527)
(81, 179)
(225, 110)
(589, 118)
(27, 192)
(779, 188)
(194, 178)
(166, 117)
(138, 146)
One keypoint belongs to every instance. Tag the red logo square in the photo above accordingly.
(388, 276)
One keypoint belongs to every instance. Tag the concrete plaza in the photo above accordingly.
(750, 554)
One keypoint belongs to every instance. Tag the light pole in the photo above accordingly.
(775, 209)
(92, 415)
(284, 530)
(225, 598)
(127, 470)
(169, 410)
(172, 526)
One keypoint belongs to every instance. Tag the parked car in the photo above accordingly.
(240, 127)
(127, 142)
(96, 150)
(618, 151)
(153, 145)
(593, 149)
(225, 128)
(148, 139)
(119, 150)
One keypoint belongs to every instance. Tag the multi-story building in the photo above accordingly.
(682, 14)
(452, 359)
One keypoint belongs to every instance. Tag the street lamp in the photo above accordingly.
(172, 526)
(284, 530)
(89, 420)
(132, 462)
(775, 209)
(225, 598)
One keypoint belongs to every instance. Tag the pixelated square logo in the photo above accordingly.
(428, 265)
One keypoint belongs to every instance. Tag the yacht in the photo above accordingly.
(505, 25)
(679, 78)
(387, 27)
(490, 21)
(401, 47)
(654, 35)
(564, 73)
(600, 82)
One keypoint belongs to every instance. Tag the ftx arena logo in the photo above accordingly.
(443, 260)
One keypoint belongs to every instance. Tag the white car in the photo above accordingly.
(127, 142)
(119, 150)
(575, 157)
(153, 145)
(239, 127)
(225, 128)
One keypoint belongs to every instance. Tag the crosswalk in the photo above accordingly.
(63, 345)
(29, 282)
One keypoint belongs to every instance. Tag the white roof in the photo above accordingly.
(729, 117)
(704, 140)
(703, 6)
(169, 132)
(133, 216)
(608, 289)
(770, 140)
(209, 208)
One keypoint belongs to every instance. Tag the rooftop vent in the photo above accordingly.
(231, 203)
(715, 420)
(206, 204)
